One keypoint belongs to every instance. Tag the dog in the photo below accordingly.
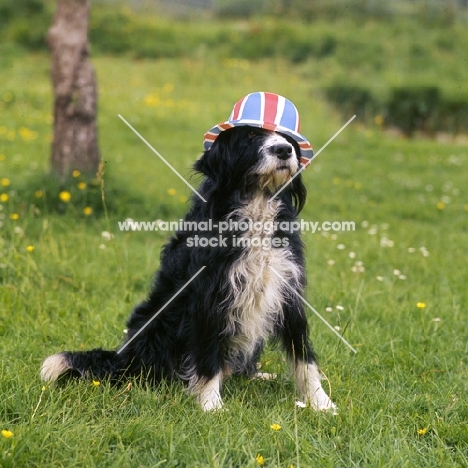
(203, 326)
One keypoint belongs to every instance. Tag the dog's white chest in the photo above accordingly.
(259, 281)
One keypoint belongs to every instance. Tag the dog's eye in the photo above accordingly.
(253, 134)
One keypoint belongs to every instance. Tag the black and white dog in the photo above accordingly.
(218, 324)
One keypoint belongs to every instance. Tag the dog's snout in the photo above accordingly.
(282, 150)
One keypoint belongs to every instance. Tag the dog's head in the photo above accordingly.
(248, 160)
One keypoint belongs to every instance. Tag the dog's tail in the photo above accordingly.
(96, 363)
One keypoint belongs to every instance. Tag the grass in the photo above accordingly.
(402, 397)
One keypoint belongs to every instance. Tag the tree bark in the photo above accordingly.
(75, 142)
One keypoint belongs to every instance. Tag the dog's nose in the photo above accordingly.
(282, 150)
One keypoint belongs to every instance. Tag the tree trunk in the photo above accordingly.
(75, 144)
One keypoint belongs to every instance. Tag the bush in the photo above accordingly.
(453, 115)
(25, 22)
(110, 32)
(414, 108)
(10, 9)
(354, 100)
(424, 108)
(238, 8)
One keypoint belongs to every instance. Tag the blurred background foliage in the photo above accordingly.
(399, 64)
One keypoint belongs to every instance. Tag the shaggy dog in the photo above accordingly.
(217, 324)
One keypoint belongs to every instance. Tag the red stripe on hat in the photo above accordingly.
(225, 126)
(210, 137)
(237, 108)
(271, 107)
(269, 126)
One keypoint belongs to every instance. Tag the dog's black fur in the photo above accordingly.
(197, 336)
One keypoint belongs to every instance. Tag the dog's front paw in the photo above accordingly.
(320, 401)
(211, 401)
(324, 404)
(208, 393)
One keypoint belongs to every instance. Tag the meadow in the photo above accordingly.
(395, 287)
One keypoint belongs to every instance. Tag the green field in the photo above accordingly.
(395, 287)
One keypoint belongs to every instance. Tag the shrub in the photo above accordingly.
(10, 9)
(409, 108)
(238, 8)
(414, 108)
(353, 100)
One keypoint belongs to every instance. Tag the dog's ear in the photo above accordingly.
(298, 193)
(216, 163)
(207, 164)
(298, 189)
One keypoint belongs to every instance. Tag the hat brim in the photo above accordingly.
(307, 153)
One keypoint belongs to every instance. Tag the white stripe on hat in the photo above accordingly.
(298, 122)
(241, 109)
(279, 109)
(262, 107)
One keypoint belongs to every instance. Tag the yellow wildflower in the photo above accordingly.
(5, 182)
(65, 196)
(26, 134)
(183, 199)
(260, 460)
(14, 216)
(421, 305)
(30, 248)
(422, 431)
(172, 191)
(440, 205)
(96, 383)
(379, 120)
(87, 210)
(7, 434)
(81, 185)
(38, 193)
(4, 197)
(275, 427)
(76, 173)
(152, 100)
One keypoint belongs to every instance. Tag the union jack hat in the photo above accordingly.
(265, 110)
